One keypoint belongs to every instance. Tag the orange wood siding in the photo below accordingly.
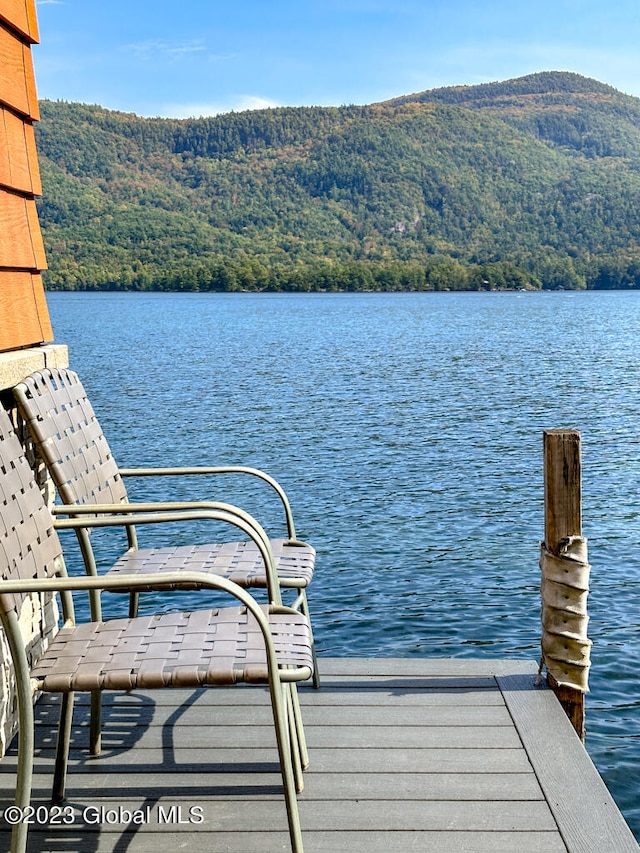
(24, 317)
(23, 311)
(20, 15)
(17, 81)
(19, 168)
(21, 244)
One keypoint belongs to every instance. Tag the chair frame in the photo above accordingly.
(26, 688)
(32, 411)
(281, 680)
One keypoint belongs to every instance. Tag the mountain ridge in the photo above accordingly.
(528, 182)
(540, 83)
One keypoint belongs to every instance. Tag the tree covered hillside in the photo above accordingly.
(527, 183)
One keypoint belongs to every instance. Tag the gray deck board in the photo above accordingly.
(447, 755)
(580, 801)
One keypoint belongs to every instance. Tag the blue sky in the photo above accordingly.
(200, 57)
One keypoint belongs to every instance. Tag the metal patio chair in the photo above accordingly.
(251, 643)
(69, 439)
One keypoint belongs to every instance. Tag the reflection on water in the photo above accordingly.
(407, 429)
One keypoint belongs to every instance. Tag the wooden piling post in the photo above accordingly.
(563, 519)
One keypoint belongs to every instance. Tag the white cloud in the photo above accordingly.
(160, 47)
(199, 110)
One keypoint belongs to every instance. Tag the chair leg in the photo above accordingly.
(95, 723)
(26, 745)
(298, 728)
(134, 599)
(279, 703)
(88, 556)
(62, 747)
(304, 609)
(294, 740)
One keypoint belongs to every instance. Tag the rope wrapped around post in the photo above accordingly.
(564, 588)
(565, 576)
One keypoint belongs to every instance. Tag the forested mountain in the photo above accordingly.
(525, 183)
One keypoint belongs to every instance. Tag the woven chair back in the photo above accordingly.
(29, 545)
(69, 438)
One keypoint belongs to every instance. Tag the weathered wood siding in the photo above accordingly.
(24, 317)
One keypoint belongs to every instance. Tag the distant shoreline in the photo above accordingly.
(542, 291)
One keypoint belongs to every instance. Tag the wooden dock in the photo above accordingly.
(412, 754)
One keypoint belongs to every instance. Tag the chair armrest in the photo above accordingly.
(78, 510)
(113, 582)
(220, 469)
(172, 580)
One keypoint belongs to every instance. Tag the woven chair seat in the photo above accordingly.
(222, 647)
(240, 562)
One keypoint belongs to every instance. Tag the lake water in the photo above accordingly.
(407, 430)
